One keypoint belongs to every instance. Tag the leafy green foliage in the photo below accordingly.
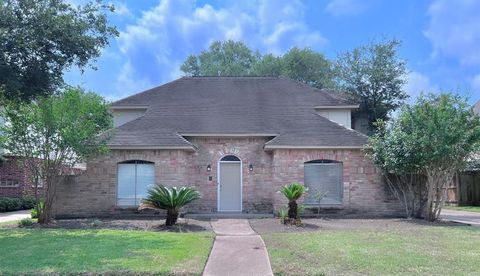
(28, 202)
(54, 133)
(230, 58)
(293, 192)
(223, 58)
(434, 137)
(25, 222)
(170, 199)
(40, 39)
(283, 215)
(309, 67)
(374, 76)
(35, 211)
(8, 204)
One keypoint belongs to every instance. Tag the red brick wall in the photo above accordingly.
(13, 169)
(94, 192)
(364, 192)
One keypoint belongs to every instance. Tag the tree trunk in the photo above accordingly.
(46, 214)
(172, 216)
(292, 210)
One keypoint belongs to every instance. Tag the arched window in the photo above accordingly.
(134, 178)
(230, 158)
(324, 180)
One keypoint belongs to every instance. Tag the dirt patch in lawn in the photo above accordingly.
(262, 226)
(183, 225)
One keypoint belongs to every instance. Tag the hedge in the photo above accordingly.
(8, 204)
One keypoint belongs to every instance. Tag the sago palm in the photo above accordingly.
(170, 199)
(293, 192)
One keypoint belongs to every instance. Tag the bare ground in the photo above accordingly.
(273, 225)
(183, 225)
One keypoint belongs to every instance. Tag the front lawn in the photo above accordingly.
(464, 208)
(378, 250)
(32, 251)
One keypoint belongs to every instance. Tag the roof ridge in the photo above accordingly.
(147, 91)
(233, 76)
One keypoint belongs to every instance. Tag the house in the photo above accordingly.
(15, 179)
(238, 140)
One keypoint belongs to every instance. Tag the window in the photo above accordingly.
(133, 180)
(324, 177)
(39, 183)
(231, 158)
(9, 183)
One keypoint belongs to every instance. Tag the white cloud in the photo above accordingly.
(454, 30)
(158, 42)
(121, 9)
(345, 7)
(418, 83)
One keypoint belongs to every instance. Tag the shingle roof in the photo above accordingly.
(235, 105)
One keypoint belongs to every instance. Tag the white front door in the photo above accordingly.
(230, 185)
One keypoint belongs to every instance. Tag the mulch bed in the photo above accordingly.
(183, 225)
(262, 226)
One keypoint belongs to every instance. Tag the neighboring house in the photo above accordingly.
(15, 180)
(238, 140)
(465, 190)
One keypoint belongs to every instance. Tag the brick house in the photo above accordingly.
(14, 178)
(237, 140)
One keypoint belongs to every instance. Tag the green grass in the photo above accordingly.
(425, 251)
(8, 223)
(32, 251)
(464, 208)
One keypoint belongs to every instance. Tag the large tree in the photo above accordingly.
(223, 58)
(374, 76)
(53, 133)
(39, 39)
(433, 138)
(307, 66)
(230, 58)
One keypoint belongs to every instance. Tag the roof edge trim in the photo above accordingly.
(336, 106)
(129, 107)
(126, 147)
(228, 134)
(269, 147)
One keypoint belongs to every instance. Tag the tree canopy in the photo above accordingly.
(230, 58)
(54, 133)
(39, 39)
(433, 137)
(374, 76)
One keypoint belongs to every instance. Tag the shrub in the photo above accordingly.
(34, 212)
(170, 199)
(293, 192)
(8, 204)
(25, 222)
(97, 223)
(28, 202)
(282, 214)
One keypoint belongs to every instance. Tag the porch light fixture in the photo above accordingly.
(250, 167)
(209, 168)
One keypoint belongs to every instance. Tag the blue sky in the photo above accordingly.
(441, 38)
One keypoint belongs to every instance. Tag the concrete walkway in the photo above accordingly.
(237, 250)
(12, 216)
(471, 218)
